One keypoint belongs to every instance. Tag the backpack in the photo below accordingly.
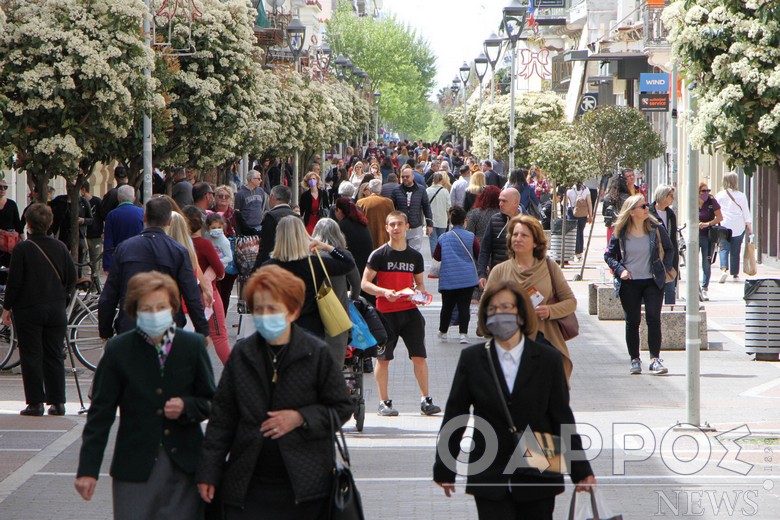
(247, 248)
(581, 204)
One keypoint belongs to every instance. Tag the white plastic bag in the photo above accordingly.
(588, 505)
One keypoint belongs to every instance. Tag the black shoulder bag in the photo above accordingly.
(345, 503)
(544, 457)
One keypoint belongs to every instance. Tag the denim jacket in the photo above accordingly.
(615, 253)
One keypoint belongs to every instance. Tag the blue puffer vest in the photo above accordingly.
(457, 267)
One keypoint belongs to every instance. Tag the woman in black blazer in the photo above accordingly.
(534, 388)
(314, 200)
(160, 378)
(40, 279)
(354, 225)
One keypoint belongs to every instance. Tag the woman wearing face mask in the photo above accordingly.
(314, 202)
(530, 378)
(527, 264)
(268, 452)
(160, 378)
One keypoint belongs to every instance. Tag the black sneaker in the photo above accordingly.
(428, 408)
(368, 366)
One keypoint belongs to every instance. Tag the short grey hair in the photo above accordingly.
(662, 191)
(328, 231)
(375, 186)
(125, 193)
(731, 181)
(347, 189)
(445, 165)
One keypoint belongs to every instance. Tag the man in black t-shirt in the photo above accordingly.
(397, 267)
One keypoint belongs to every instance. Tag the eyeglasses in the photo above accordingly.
(704, 191)
(223, 196)
(503, 308)
(643, 206)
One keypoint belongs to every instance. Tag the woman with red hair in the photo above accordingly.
(354, 225)
(485, 207)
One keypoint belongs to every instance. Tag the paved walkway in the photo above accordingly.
(629, 417)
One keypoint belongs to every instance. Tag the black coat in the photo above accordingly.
(614, 256)
(309, 382)
(306, 202)
(128, 377)
(268, 231)
(492, 244)
(671, 230)
(359, 241)
(539, 399)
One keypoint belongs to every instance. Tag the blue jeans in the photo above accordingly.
(729, 253)
(433, 238)
(706, 260)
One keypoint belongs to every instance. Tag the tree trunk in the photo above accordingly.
(74, 190)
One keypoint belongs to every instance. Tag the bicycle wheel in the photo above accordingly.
(9, 353)
(84, 337)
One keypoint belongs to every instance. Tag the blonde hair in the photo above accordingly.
(730, 181)
(180, 232)
(476, 183)
(624, 217)
(292, 240)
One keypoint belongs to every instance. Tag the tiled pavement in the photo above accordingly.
(393, 456)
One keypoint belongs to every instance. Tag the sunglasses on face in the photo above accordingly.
(643, 206)
(3, 188)
(704, 191)
(223, 196)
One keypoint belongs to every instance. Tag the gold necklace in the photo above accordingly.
(273, 358)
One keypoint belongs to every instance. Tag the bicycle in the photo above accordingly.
(83, 335)
(9, 355)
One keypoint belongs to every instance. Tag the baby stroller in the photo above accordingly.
(368, 333)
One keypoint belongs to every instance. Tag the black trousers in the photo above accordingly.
(509, 509)
(451, 298)
(632, 294)
(41, 332)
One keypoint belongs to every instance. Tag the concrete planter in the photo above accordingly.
(673, 329)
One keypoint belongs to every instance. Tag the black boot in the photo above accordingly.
(33, 410)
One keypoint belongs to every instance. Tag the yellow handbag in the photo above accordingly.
(332, 313)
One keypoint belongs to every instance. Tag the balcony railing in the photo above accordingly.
(654, 33)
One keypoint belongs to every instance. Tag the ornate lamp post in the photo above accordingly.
(514, 22)
(296, 35)
(493, 52)
(340, 63)
(377, 95)
(455, 88)
(480, 68)
(465, 73)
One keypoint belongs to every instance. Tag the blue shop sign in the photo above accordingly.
(654, 82)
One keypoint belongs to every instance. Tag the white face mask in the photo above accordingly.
(216, 233)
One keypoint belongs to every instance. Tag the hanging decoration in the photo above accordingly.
(535, 63)
(172, 27)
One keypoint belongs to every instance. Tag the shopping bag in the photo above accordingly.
(749, 259)
(8, 240)
(361, 334)
(332, 313)
(593, 509)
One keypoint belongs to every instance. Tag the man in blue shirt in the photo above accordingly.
(122, 222)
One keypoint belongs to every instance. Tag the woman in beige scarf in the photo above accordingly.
(527, 264)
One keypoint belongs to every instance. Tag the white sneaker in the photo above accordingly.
(442, 336)
(723, 277)
(704, 296)
(464, 340)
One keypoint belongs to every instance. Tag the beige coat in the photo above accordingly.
(376, 208)
(539, 278)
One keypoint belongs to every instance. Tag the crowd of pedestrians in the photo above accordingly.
(174, 267)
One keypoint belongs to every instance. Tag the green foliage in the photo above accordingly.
(398, 62)
(730, 49)
(563, 156)
(619, 134)
(435, 126)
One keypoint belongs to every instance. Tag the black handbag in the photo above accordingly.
(345, 503)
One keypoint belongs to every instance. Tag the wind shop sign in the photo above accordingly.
(654, 92)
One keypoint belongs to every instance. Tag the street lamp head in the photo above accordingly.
(340, 62)
(455, 87)
(493, 49)
(296, 35)
(465, 72)
(480, 66)
(514, 19)
(377, 95)
(348, 66)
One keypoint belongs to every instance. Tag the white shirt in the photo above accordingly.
(734, 218)
(458, 191)
(510, 362)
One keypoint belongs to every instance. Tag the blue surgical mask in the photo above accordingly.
(216, 233)
(154, 323)
(270, 326)
(312, 183)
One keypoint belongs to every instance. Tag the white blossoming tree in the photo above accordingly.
(73, 82)
(730, 49)
(535, 112)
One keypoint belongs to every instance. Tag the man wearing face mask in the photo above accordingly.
(251, 204)
(161, 408)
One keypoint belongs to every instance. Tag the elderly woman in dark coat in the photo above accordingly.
(268, 451)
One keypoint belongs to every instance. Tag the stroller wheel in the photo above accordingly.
(360, 417)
